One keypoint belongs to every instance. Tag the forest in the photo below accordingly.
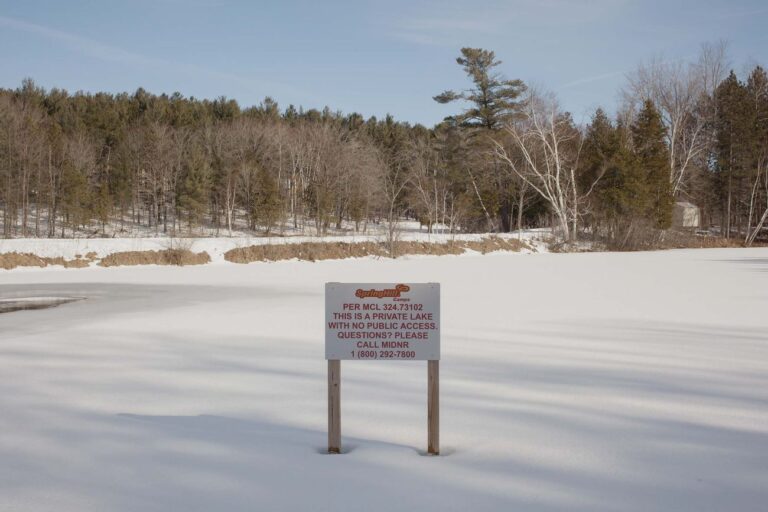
(102, 164)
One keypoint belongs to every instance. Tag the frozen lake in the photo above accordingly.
(570, 382)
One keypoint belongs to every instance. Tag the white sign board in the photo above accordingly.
(382, 321)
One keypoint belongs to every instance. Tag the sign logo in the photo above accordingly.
(385, 293)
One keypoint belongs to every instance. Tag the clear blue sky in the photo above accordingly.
(369, 57)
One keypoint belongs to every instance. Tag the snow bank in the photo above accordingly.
(69, 248)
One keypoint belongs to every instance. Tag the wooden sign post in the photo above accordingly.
(392, 322)
(433, 407)
(334, 406)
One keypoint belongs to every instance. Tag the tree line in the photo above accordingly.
(511, 157)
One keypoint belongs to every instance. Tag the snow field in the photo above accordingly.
(600, 381)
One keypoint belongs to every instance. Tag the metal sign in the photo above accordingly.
(390, 321)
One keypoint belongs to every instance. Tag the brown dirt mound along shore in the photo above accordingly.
(11, 260)
(678, 240)
(495, 243)
(316, 251)
(650, 240)
(307, 251)
(164, 257)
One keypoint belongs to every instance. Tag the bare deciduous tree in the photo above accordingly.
(547, 147)
(682, 93)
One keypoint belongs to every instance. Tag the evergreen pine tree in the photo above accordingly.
(195, 188)
(492, 98)
(620, 196)
(757, 89)
(76, 198)
(267, 204)
(650, 149)
(102, 204)
(734, 133)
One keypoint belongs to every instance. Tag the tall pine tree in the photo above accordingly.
(734, 133)
(620, 197)
(493, 99)
(648, 140)
(267, 205)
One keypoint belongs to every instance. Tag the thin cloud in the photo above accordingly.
(591, 79)
(735, 13)
(83, 45)
(470, 19)
(109, 53)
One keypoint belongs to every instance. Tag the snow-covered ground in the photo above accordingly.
(304, 227)
(570, 382)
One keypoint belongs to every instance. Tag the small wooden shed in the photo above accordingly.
(686, 215)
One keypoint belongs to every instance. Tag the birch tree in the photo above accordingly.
(547, 152)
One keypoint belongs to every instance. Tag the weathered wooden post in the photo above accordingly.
(433, 407)
(334, 406)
